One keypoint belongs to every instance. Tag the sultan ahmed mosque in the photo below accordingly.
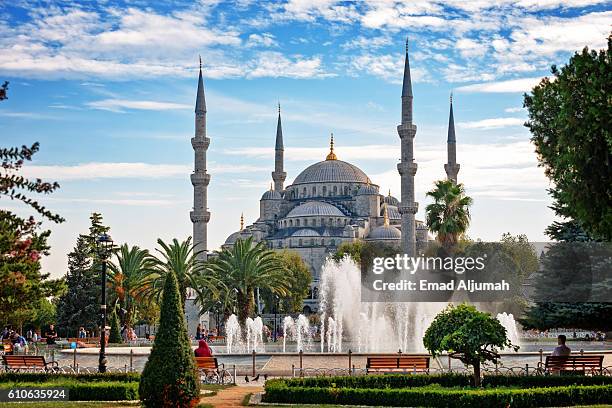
(329, 202)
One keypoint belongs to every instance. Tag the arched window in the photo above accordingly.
(300, 242)
(331, 222)
(324, 190)
(313, 222)
(304, 194)
(335, 190)
(290, 224)
(314, 191)
(297, 224)
(346, 190)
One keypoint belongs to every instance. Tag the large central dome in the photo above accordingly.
(332, 171)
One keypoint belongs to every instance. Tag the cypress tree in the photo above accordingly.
(169, 378)
(115, 333)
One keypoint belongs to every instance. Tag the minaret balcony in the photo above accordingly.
(451, 168)
(199, 216)
(408, 209)
(279, 175)
(406, 130)
(407, 168)
(200, 178)
(200, 143)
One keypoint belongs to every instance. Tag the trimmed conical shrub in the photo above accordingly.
(115, 333)
(169, 378)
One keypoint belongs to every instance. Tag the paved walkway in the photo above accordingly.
(232, 396)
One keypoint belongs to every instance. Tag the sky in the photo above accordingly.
(108, 89)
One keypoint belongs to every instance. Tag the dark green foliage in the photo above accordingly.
(169, 378)
(115, 332)
(449, 214)
(277, 391)
(300, 275)
(88, 391)
(444, 380)
(570, 119)
(469, 335)
(80, 306)
(3, 90)
(549, 315)
(23, 377)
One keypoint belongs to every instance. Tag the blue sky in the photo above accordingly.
(108, 89)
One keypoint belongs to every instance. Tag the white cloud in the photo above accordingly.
(493, 123)
(363, 42)
(514, 109)
(274, 64)
(262, 40)
(388, 67)
(509, 86)
(117, 105)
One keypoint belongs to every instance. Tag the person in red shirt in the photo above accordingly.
(203, 350)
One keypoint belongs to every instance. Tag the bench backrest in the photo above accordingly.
(397, 362)
(570, 362)
(24, 361)
(209, 363)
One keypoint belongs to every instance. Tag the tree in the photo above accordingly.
(570, 119)
(80, 305)
(352, 249)
(115, 331)
(22, 284)
(3, 90)
(180, 259)
(12, 185)
(448, 216)
(169, 378)
(300, 276)
(127, 278)
(243, 268)
(467, 334)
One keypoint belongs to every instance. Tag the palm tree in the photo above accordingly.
(127, 278)
(245, 267)
(181, 259)
(448, 216)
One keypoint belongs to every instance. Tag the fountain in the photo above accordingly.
(233, 333)
(298, 330)
(507, 320)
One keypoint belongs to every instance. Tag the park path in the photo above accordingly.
(232, 396)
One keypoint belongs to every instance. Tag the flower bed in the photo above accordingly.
(441, 391)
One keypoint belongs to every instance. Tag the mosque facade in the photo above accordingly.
(328, 203)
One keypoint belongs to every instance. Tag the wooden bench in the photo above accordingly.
(397, 364)
(23, 362)
(578, 364)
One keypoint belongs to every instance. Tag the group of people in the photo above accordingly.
(19, 342)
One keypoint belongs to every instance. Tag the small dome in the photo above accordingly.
(314, 208)
(331, 171)
(305, 232)
(390, 200)
(271, 195)
(392, 212)
(384, 233)
(368, 189)
(232, 238)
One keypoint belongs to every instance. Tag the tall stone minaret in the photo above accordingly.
(200, 179)
(407, 168)
(451, 168)
(279, 175)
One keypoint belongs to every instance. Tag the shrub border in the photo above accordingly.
(277, 391)
(15, 376)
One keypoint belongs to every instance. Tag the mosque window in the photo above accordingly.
(313, 222)
(346, 190)
(331, 222)
(304, 194)
(332, 242)
(311, 242)
(335, 190)
(314, 191)
(291, 223)
(300, 242)
(324, 190)
(297, 222)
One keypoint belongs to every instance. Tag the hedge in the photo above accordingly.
(445, 380)
(435, 396)
(50, 377)
(88, 391)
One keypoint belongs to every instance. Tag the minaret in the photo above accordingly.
(407, 168)
(451, 168)
(200, 179)
(279, 175)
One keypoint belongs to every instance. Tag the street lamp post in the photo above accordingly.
(104, 246)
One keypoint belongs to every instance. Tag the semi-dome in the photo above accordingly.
(271, 195)
(368, 189)
(232, 238)
(305, 232)
(385, 233)
(331, 171)
(314, 208)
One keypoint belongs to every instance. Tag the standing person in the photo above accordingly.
(203, 349)
(51, 335)
(29, 334)
(561, 349)
(82, 333)
(199, 331)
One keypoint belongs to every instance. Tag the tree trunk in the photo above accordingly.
(477, 374)
(244, 307)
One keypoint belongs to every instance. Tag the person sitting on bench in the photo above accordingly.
(203, 350)
(561, 349)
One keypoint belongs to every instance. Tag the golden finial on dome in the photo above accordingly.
(385, 215)
(331, 155)
(389, 192)
(241, 221)
(271, 186)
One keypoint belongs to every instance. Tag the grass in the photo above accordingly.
(246, 399)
